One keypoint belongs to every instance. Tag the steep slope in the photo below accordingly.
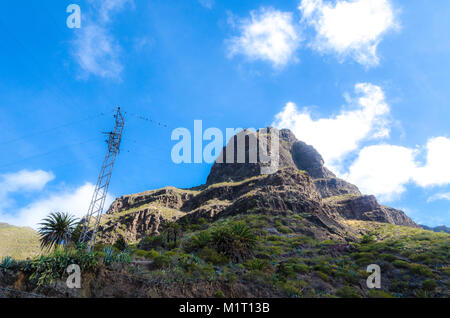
(18, 242)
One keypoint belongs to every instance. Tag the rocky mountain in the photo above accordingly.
(297, 232)
(437, 229)
(302, 184)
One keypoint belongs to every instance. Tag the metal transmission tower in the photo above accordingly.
(101, 190)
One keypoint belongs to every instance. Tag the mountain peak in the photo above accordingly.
(292, 154)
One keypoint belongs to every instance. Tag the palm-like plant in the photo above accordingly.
(57, 229)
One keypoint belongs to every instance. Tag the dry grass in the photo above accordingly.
(18, 242)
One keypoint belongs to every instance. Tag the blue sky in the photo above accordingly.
(364, 81)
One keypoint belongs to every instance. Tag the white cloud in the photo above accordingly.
(351, 28)
(269, 35)
(439, 196)
(95, 48)
(207, 3)
(109, 7)
(337, 136)
(24, 180)
(380, 169)
(97, 52)
(385, 170)
(436, 171)
(73, 200)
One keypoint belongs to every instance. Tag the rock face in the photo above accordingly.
(302, 185)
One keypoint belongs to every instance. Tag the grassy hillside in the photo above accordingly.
(18, 242)
(285, 262)
(261, 255)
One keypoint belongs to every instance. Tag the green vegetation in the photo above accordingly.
(45, 269)
(18, 242)
(270, 254)
(57, 229)
(243, 249)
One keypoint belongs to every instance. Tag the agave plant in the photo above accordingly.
(7, 263)
(110, 256)
(57, 229)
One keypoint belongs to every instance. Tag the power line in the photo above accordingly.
(52, 129)
(47, 153)
(148, 119)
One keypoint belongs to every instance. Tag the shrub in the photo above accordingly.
(7, 263)
(258, 264)
(45, 269)
(401, 264)
(219, 294)
(348, 292)
(235, 241)
(120, 244)
(109, 255)
(388, 257)
(124, 257)
(301, 268)
(429, 285)
(146, 254)
(373, 293)
(152, 242)
(212, 256)
(421, 270)
(323, 276)
(367, 239)
(199, 241)
(188, 262)
(162, 261)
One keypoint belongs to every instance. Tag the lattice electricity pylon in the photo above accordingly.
(97, 205)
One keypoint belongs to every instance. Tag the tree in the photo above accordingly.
(57, 229)
(173, 232)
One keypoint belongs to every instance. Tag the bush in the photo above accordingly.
(45, 269)
(367, 239)
(421, 270)
(323, 276)
(258, 264)
(146, 254)
(199, 241)
(163, 260)
(235, 241)
(373, 293)
(401, 264)
(219, 294)
(429, 285)
(121, 244)
(388, 257)
(7, 263)
(348, 292)
(212, 256)
(152, 242)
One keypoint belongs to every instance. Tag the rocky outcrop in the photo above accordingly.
(292, 154)
(301, 185)
(335, 187)
(367, 208)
